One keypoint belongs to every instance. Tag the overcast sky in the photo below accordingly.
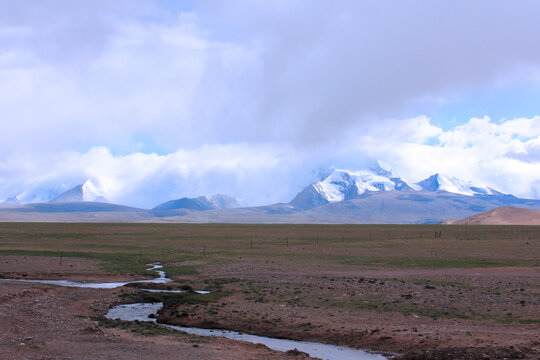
(154, 100)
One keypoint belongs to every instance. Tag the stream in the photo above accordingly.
(142, 311)
(105, 285)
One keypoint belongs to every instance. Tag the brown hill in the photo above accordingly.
(505, 215)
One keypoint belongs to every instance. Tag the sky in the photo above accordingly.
(157, 100)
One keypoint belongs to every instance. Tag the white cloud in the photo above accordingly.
(495, 154)
(244, 97)
(74, 75)
(256, 174)
(503, 155)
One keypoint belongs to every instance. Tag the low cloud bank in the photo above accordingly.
(504, 155)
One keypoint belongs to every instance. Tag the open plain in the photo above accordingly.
(413, 291)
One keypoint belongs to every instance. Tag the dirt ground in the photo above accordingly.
(472, 294)
(49, 322)
(458, 308)
(273, 299)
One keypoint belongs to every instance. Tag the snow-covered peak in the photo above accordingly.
(454, 185)
(341, 185)
(345, 184)
(220, 201)
(380, 168)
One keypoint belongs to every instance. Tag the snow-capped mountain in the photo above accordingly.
(450, 184)
(201, 203)
(341, 185)
(83, 192)
(55, 193)
(221, 201)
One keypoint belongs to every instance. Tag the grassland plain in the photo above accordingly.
(392, 288)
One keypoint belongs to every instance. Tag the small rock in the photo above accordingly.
(296, 352)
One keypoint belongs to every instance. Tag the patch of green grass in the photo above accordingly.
(120, 263)
(174, 299)
(437, 263)
(217, 284)
(174, 270)
(381, 304)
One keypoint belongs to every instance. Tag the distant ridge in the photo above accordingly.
(505, 215)
(201, 203)
(382, 207)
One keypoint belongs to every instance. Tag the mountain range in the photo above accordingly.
(372, 195)
(343, 185)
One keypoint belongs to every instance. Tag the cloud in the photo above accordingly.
(502, 155)
(158, 99)
(122, 73)
(255, 174)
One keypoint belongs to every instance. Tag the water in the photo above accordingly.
(132, 312)
(112, 285)
(106, 285)
(141, 312)
(176, 291)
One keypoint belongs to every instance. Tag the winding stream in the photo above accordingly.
(104, 285)
(142, 311)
